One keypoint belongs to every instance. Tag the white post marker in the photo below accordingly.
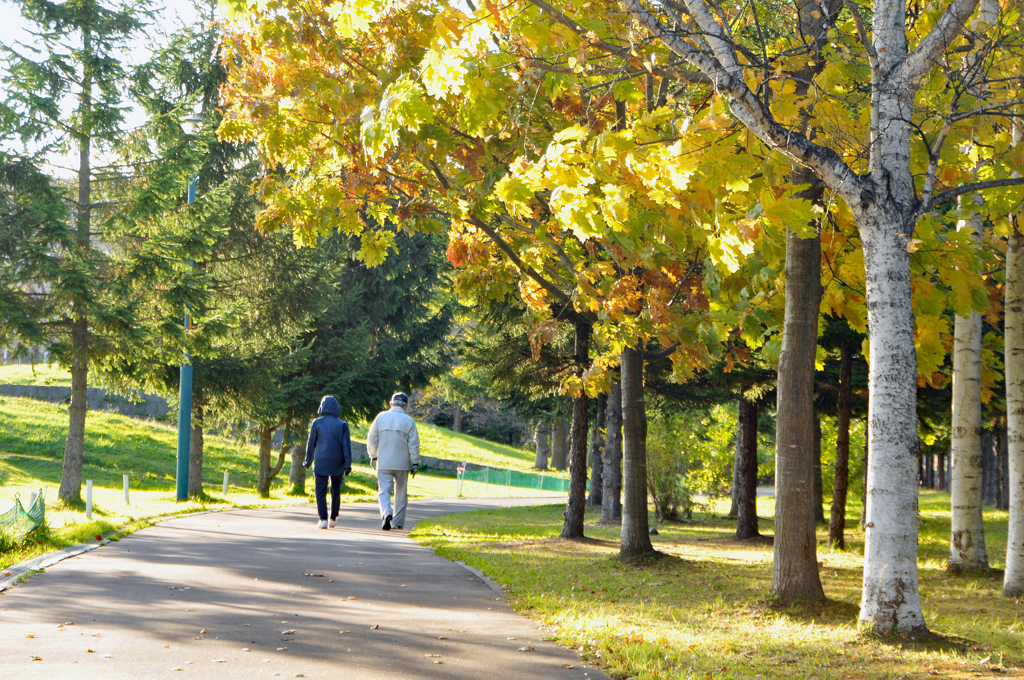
(32, 499)
(227, 475)
(462, 475)
(88, 499)
(126, 501)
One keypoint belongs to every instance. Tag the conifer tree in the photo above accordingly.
(67, 95)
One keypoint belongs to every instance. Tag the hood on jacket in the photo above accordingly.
(329, 407)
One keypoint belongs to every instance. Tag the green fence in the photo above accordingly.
(491, 482)
(16, 522)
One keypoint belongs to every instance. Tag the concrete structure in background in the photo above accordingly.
(140, 405)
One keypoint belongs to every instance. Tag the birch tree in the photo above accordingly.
(967, 541)
(1013, 578)
(891, 188)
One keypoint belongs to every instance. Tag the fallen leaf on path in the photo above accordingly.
(177, 669)
(433, 655)
(89, 651)
(525, 649)
(569, 665)
(36, 658)
(202, 632)
(281, 649)
(441, 637)
(316, 575)
(218, 660)
(439, 662)
(30, 636)
(246, 649)
(105, 656)
(66, 623)
(375, 626)
(512, 638)
(344, 632)
(287, 632)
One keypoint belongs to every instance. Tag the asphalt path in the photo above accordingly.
(263, 593)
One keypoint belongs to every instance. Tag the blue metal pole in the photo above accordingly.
(185, 398)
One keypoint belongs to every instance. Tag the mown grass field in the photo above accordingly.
(702, 609)
(32, 435)
(40, 374)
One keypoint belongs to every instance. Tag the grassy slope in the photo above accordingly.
(702, 610)
(440, 442)
(32, 435)
(40, 374)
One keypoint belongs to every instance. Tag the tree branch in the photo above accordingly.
(968, 188)
(928, 51)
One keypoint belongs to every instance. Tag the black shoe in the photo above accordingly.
(386, 526)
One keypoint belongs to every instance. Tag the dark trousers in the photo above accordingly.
(321, 494)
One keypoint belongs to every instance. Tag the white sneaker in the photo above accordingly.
(322, 524)
(332, 523)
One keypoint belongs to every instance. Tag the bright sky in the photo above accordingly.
(171, 14)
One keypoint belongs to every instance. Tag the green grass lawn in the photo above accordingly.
(40, 374)
(32, 436)
(703, 611)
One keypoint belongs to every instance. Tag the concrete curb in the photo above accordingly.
(12, 575)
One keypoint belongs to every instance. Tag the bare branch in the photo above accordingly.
(974, 186)
(939, 38)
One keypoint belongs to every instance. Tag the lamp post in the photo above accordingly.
(190, 124)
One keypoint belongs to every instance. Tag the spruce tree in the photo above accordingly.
(67, 95)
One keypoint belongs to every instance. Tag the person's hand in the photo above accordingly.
(373, 463)
(415, 469)
(348, 471)
(307, 466)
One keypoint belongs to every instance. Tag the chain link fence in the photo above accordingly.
(489, 483)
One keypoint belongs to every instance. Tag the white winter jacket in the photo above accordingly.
(393, 440)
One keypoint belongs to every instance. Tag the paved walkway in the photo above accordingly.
(240, 595)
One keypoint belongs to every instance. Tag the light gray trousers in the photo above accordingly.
(399, 480)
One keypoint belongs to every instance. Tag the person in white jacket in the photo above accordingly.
(394, 448)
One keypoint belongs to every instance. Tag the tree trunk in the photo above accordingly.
(929, 471)
(636, 541)
(890, 598)
(989, 471)
(595, 453)
(195, 452)
(837, 517)
(74, 447)
(746, 471)
(737, 453)
(575, 509)
(266, 472)
(560, 444)
(819, 491)
(611, 495)
(297, 474)
(967, 551)
(795, 571)
(1004, 469)
(1013, 578)
(457, 418)
(540, 438)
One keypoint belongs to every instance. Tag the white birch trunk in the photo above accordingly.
(967, 539)
(890, 599)
(1013, 578)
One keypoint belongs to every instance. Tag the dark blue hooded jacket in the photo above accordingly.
(329, 445)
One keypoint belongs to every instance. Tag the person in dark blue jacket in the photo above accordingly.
(329, 450)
